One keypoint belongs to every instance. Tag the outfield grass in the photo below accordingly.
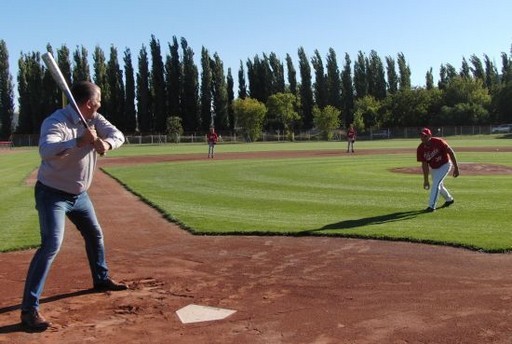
(18, 219)
(355, 196)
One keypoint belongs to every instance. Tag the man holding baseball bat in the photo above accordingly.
(435, 154)
(69, 152)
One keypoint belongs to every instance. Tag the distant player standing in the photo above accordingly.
(351, 138)
(435, 153)
(211, 138)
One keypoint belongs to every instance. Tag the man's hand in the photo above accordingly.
(456, 171)
(101, 146)
(88, 138)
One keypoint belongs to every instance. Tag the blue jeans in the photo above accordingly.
(53, 206)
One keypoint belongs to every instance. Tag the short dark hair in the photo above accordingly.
(83, 91)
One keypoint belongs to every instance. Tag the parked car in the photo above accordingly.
(503, 128)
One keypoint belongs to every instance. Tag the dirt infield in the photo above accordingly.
(285, 290)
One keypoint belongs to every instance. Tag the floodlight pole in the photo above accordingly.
(212, 115)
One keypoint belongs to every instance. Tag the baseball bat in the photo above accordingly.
(61, 82)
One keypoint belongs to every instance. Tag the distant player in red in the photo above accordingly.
(212, 139)
(351, 138)
(436, 154)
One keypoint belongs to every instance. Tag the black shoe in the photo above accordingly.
(429, 210)
(448, 203)
(109, 285)
(33, 321)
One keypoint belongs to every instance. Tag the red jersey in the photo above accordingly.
(212, 137)
(435, 153)
(351, 134)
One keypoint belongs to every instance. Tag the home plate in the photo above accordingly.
(196, 313)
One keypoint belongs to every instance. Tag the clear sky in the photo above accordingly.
(428, 32)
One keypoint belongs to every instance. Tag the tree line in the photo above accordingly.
(370, 92)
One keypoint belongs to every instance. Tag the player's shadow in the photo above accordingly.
(372, 220)
(17, 327)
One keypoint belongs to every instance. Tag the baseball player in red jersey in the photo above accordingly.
(436, 154)
(351, 137)
(211, 138)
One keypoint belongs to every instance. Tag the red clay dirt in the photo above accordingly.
(284, 289)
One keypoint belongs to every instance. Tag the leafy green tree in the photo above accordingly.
(277, 74)
(129, 104)
(360, 76)
(292, 75)
(6, 94)
(358, 122)
(306, 92)
(206, 90)
(429, 79)
(463, 114)
(347, 91)
(465, 71)
(52, 97)
(446, 74)
(63, 60)
(333, 81)
(491, 74)
(404, 72)
(231, 97)
(281, 110)
(368, 109)
(376, 76)
(411, 107)
(81, 69)
(392, 75)
(157, 86)
(506, 69)
(219, 93)
(260, 78)
(101, 76)
(190, 90)
(466, 101)
(242, 86)
(30, 89)
(326, 120)
(174, 129)
(250, 116)
(116, 101)
(478, 68)
(320, 85)
(174, 77)
(502, 103)
(144, 113)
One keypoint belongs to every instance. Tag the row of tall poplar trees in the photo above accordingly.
(142, 100)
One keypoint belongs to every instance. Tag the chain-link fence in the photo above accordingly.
(20, 140)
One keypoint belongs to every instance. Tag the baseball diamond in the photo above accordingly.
(284, 290)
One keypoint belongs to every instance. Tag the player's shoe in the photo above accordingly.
(429, 210)
(32, 320)
(109, 285)
(448, 203)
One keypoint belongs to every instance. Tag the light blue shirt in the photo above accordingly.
(64, 166)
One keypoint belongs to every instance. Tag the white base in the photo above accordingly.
(196, 313)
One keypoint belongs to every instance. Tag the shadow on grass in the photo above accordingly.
(372, 220)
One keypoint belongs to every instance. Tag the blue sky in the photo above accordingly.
(428, 32)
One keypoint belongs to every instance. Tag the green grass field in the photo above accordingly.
(354, 196)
